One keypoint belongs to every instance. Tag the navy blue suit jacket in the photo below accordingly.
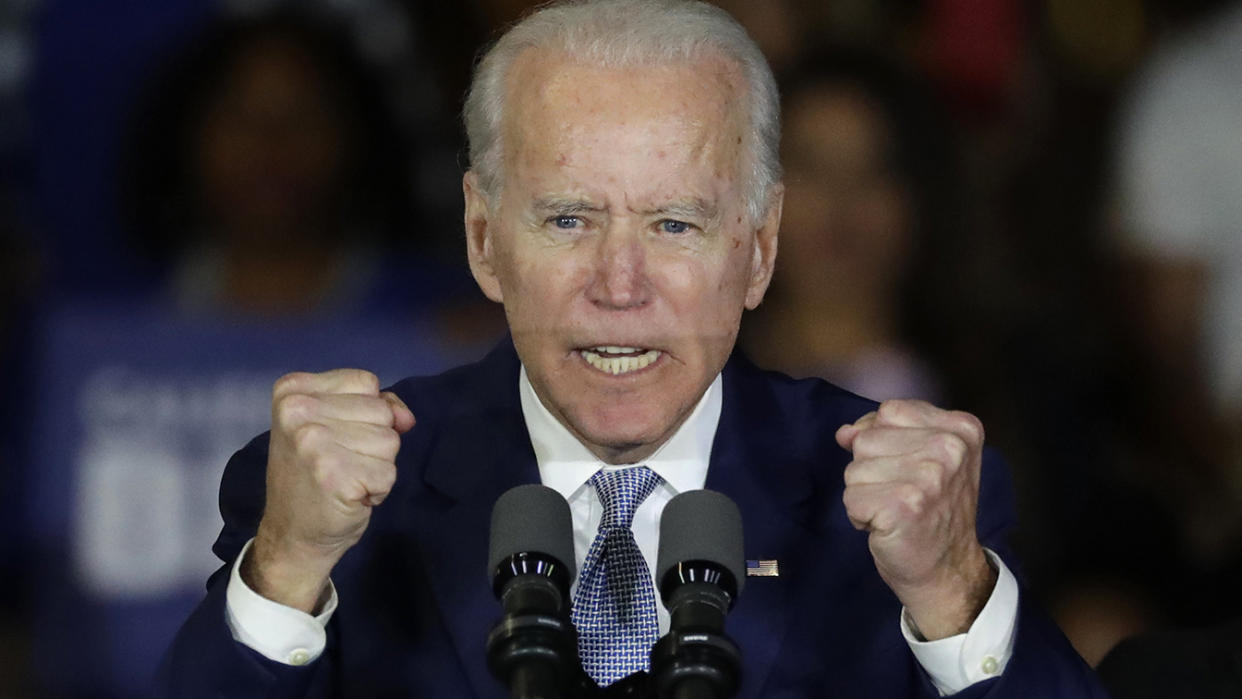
(415, 599)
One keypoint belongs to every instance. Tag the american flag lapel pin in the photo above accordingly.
(763, 568)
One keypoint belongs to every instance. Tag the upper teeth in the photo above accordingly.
(613, 349)
(630, 359)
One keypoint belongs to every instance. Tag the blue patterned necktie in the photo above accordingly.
(614, 608)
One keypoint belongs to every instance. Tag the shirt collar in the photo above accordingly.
(565, 464)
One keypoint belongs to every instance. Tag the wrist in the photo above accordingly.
(950, 607)
(286, 575)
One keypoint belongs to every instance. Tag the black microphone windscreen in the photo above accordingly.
(532, 518)
(701, 525)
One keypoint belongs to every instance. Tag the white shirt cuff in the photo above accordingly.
(283, 634)
(956, 662)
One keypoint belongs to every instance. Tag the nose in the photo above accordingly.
(620, 280)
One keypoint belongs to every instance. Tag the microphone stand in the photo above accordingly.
(533, 649)
(696, 660)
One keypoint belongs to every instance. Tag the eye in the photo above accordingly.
(566, 222)
(674, 226)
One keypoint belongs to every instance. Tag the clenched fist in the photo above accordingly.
(914, 486)
(331, 459)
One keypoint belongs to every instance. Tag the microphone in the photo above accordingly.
(701, 570)
(533, 649)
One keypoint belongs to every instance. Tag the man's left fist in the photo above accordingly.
(914, 486)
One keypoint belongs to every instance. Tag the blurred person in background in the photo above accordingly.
(267, 172)
(1176, 235)
(1179, 212)
(870, 191)
(265, 175)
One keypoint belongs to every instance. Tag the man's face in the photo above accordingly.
(620, 244)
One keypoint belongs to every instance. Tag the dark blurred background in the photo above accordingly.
(1025, 209)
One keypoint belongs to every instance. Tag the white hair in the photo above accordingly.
(621, 34)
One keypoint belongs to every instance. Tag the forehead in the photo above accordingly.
(579, 116)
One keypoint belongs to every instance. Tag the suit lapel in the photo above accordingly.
(751, 464)
(482, 450)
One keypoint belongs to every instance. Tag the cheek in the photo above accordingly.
(538, 288)
(707, 295)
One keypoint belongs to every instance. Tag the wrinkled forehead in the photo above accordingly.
(552, 96)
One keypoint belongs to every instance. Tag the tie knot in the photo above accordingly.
(621, 491)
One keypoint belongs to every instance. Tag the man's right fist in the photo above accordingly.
(331, 459)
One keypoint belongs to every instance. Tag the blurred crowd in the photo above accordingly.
(1028, 209)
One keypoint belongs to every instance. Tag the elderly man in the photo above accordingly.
(622, 204)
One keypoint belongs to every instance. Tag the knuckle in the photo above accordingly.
(933, 476)
(325, 469)
(310, 437)
(847, 499)
(968, 425)
(913, 498)
(381, 412)
(290, 383)
(891, 409)
(851, 474)
(351, 491)
(383, 442)
(389, 443)
(854, 502)
(387, 479)
(366, 381)
(293, 408)
(868, 443)
(951, 446)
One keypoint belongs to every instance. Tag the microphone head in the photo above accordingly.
(531, 519)
(701, 525)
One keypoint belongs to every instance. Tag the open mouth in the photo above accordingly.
(615, 360)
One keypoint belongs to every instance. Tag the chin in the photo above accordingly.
(624, 430)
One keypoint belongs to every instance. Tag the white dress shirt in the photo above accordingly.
(290, 636)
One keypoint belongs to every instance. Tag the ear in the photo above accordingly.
(479, 247)
(763, 260)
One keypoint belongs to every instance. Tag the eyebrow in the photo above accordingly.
(565, 207)
(690, 208)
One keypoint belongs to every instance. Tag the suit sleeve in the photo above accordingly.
(204, 659)
(1044, 664)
